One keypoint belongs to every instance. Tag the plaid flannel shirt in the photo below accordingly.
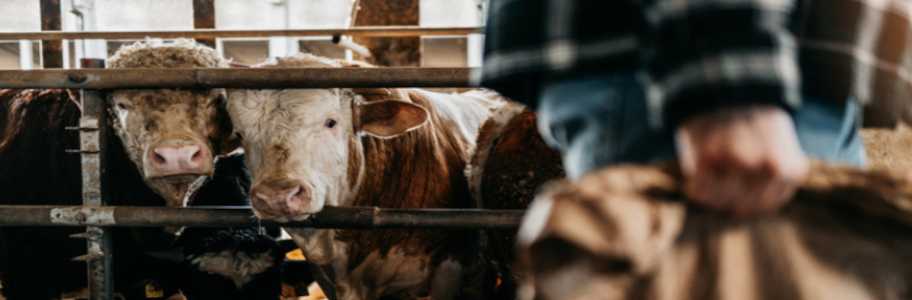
(698, 55)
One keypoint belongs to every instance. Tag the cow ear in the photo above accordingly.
(231, 145)
(377, 94)
(389, 118)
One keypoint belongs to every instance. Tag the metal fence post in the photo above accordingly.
(51, 50)
(92, 130)
(204, 17)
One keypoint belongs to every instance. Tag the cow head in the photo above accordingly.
(172, 136)
(304, 147)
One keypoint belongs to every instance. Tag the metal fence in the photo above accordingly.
(366, 31)
(96, 216)
(329, 217)
(238, 78)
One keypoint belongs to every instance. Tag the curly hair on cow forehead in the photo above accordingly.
(159, 54)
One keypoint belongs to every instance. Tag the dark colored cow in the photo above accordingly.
(37, 170)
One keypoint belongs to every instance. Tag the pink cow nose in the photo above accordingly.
(281, 198)
(177, 159)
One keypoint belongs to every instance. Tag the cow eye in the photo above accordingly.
(330, 123)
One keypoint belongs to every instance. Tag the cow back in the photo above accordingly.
(509, 165)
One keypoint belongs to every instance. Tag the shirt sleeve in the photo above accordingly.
(710, 54)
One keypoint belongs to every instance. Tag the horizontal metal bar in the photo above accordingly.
(237, 78)
(330, 217)
(374, 31)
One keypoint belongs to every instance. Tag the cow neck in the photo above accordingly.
(422, 168)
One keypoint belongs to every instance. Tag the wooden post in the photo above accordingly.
(389, 51)
(51, 50)
(204, 18)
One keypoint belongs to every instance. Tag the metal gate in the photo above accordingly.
(96, 216)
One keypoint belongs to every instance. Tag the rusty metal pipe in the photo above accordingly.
(330, 217)
(372, 31)
(92, 128)
(237, 78)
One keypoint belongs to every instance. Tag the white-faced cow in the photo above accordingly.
(164, 139)
(400, 148)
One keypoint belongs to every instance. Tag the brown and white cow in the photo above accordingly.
(398, 148)
(173, 136)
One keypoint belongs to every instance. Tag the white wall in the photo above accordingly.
(271, 14)
(451, 13)
(144, 14)
(20, 15)
(446, 13)
(281, 14)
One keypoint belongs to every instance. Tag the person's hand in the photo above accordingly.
(744, 160)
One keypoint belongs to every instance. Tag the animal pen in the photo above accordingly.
(96, 216)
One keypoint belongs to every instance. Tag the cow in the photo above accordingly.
(165, 147)
(510, 163)
(399, 148)
(173, 136)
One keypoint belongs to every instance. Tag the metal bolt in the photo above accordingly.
(80, 217)
(81, 235)
(88, 257)
(77, 77)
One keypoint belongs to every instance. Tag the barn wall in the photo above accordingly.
(9, 55)
(25, 17)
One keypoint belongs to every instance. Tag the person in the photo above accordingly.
(741, 93)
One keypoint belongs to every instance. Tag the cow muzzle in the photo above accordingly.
(282, 199)
(178, 158)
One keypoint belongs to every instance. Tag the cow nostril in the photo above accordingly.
(260, 196)
(158, 158)
(197, 155)
(296, 192)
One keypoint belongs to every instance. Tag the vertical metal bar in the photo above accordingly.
(51, 50)
(91, 145)
(204, 18)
